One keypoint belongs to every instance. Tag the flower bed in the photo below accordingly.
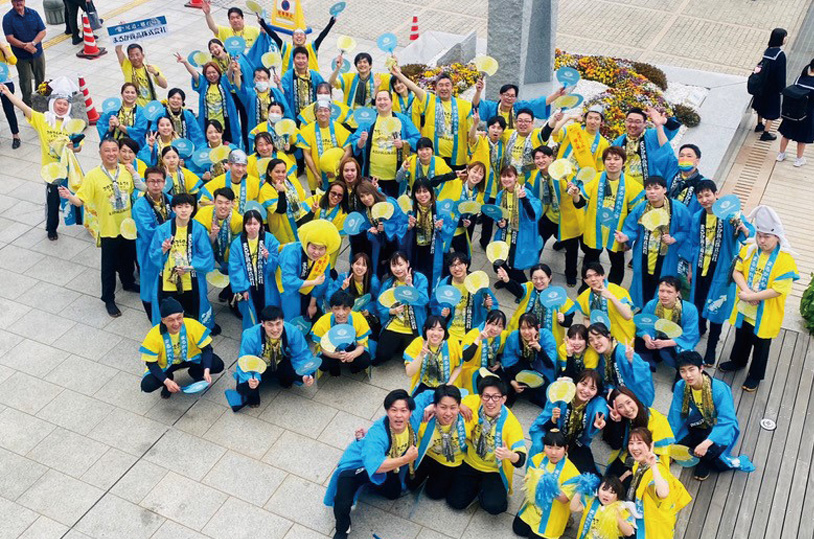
(463, 76)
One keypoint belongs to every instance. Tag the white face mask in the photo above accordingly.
(261, 86)
(275, 117)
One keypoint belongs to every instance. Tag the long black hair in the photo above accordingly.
(777, 37)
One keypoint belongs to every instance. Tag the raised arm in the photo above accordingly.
(120, 54)
(413, 87)
(335, 74)
(270, 32)
(210, 22)
(16, 101)
(190, 68)
(324, 33)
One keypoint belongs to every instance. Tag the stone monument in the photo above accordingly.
(521, 36)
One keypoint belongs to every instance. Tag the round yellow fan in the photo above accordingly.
(253, 6)
(655, 218)
(387, 298)
(74, 126)
(669, 328)
(390, 125)
(484, 372)
(497, 251)
(563, 390)
(476, 281)
(201, 58)
(532, 379)
(251, 364)
(128, 229)
(681, 453)
(469, 207)
(405, 203)
(272, 60)
(53, 172)
(217, 279)
(565, 102)
(221, 153)
(345, 44)
(382, 210)
(326, 344)
(390, 62)
(329, 160)
(586, 174)
(263, 165)
(560, 169)
(486, 65)
(285, 128)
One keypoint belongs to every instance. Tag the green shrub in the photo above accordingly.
(651, 73)
(687, 115)
(807, 306)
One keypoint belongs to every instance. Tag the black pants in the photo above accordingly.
(471, 483)
(439, 478)
(150, 383)
(702, 286)
(386, 249)
(523, 530)
(747, 342)
(334, 366)
(360, 244)
(352, 480)
(389, 187)
(189, 300)
(71, 15)
(118, 256)
(697, 435)
(486, 227)
(617, 270)
(548, 228)
(653, 356)
(582, 457)
(52, 207)
(391, 344)
(650, 281)
(8, 110)
(459, 244)
(422, 262)
(244, 121)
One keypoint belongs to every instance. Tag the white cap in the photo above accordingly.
(766, 221)
(597, 109)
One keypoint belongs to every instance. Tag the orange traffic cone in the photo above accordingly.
(414, 29)
(93, 116)
(90, 50)
(194, 4)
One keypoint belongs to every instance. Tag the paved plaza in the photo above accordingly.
(83, 453)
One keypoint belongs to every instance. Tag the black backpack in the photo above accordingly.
(756, 83)
(795, 102)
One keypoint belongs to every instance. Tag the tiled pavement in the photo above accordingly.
(84, 454)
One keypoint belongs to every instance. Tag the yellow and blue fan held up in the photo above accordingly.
(254, 205)
(447, 295)
(219, 154)
(254, 7)
(329, 161)
(600, 317)
(234, 45)
(54, 172)
(497, 252)
(74, 126)
(727, 206)
(584, 175)
(646, 322)
(128, 229)
(476, 281)
(198, 58)
(364, 115)
(201, 159)
(353, 223)
(406, 295)
(111, 104)
(531, 379)
(252, 364)
(338, 337)
(217, 279)
(486, 65)
(360, 302)
(154, 110)
(405, 203)
(668, 328)
(382, 211)
(655, 218)
(561, 168)
(390, 62)
(184, 146)
(390, 125)
(493, 212)
(388, 298)
(387, 42)
(310, 366)
(562, 390)
(302, 324)
(336, 9)
(565, 102)
(683, 455)
(469, 207)
(554, 297)
(344, 68)
(345, 44)
(272, 60)
(568, 76)
(195, 387)
(285, 128)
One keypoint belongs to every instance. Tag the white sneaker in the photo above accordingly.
(781, 156)
(800, 161)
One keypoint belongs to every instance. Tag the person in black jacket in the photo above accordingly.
(767, 104)
(801, 131)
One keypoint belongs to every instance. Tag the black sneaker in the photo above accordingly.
(112, 309)
(750, 385)
(53, 236)
(558, 246)
(759, 128)
(701, 471)
(730, 366)
(76, 41)
(15, 143)
(215, 331)
(165, 393)
(766, 136)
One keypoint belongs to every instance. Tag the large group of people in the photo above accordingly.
(290, 174)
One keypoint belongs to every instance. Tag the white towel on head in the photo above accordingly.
(766, 221)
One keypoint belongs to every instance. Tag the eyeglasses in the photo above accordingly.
(493, 398)
(524, 120)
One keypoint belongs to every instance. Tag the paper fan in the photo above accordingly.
(563, 390)
(4, 71)
(336, 9)
(683, 455)
(54, 172)
(486, 65)
(154, 110)
(221, 153)
(476, 281)
(194, 57)
(184, 146)
(645, 321)
(405, 203)
(669, 328)
(388, 298)
(497, 252)
(251, 364)
(341, 335)
(382, 210)
(301, 324)
(655, 218)
(568, 76)
(586, 174)
(469, 207)
(532, 379)
(493, 212)
(217, 279)
(364, 115)
(554, 297)
(360, 302)
(390, 124)
(254, 7)
(256, 206)
(448, 295)
(406, 295)
(353, 223)
(310, 366)
(74, 126)
(344, 68)
(607, 217)
(600, 317)
(234, 45)
(272, 60)
(726, 206)
(387, 42)
(390, 62)
(329, 160)
(201, 159)
(195, 387)
(128, 229)
(484, 372)
(111, 104)
(285, 127)
(567, 102)
(560, 169)
(345, 44)
(444, 207)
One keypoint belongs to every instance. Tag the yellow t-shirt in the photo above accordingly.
(399, 323)
(401, 442)
(445, 139)
(47, 134)
(430, 378)
(308, 141)
(435, 448)
(552, 211)
(345, 83)
(177, 257)
(559, 512)
(252, 190)
(457, 328)
(249, 34)
(383, 154)
(152, 348)
(357, 320)
(140, 77)
(214, 103)
(709, 242)
(112, 205)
